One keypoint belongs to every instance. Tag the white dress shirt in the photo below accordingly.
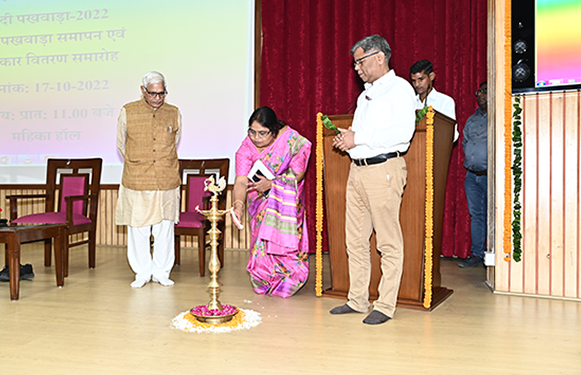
(441, 103)
(384, 120)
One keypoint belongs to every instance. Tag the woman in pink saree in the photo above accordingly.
(278, 262)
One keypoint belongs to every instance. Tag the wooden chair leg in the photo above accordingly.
(92, 251)
(202, 253)
(177, 245)
(47, 252)
(66, 254)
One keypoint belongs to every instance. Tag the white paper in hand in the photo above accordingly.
(235, 220)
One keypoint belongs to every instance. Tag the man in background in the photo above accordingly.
(475, 148)
(422, 76)
(148, 131)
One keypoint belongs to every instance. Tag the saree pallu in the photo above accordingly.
(278, 261)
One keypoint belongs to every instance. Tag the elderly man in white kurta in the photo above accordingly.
(149, 196)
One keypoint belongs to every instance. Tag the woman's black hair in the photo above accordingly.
(266, 117)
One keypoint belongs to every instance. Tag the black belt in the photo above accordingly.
(478, 173)
(376, 159)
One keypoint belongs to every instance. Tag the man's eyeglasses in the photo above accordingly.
(358, 62)
(260, 133)
(154, 94)
(481, 91)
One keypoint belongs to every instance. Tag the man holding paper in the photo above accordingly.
(270, 171)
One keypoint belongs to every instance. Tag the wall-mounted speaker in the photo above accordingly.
(523, 45)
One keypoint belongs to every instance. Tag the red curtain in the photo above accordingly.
(306, 68)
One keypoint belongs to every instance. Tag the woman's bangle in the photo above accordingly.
(238, 201)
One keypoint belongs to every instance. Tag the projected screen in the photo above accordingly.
(67, 68)
(558, 43)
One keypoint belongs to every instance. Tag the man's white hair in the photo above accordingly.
(153, 77)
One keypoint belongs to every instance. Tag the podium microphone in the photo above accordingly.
(349, 110)
(428, 92)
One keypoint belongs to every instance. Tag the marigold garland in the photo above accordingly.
(507, 132)
(429, 208)
(319, 208)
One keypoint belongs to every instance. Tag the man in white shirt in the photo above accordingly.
(383, 125)
(422, 77)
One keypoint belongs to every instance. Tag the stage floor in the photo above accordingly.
(98, 324)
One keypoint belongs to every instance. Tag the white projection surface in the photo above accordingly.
(67, 68)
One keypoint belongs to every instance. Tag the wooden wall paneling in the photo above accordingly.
(100, 231)
(544, 154)
(551, 221)
(529, 196)
(183, 239)
(233, 234)
(107, 220)
(556, 196)
(25, 206)
(36, 205)
(572, 159)
(102, 216)
(120, 232)
(238, 239)
(235, 237)
(112, 207)
(4, 204)
(108, 223)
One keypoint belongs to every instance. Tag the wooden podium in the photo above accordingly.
(412, 215)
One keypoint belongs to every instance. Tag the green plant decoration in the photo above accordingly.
(421, 113)
(329, 125)
(517, 179)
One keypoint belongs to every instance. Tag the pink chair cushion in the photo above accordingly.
(52, 218)
(196, 192)
(71, 186)
(190, 220)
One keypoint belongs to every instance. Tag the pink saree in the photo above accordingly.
(278, 262)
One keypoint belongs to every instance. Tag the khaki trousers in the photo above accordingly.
(373, 202)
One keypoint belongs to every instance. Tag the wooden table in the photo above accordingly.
(15, 235)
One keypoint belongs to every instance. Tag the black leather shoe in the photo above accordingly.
(376, 317)
(26, 273)
(343, 309)
(4, 276)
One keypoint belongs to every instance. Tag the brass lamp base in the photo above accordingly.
(220, 319)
